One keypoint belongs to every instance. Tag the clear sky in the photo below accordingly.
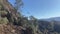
(41, 8)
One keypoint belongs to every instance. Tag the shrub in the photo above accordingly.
(0, 7)
(3, 12)
(3, 20)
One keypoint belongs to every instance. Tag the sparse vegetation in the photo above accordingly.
(31, 25)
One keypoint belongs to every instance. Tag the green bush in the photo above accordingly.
(0, 7)
(3, 20)
(3, 12)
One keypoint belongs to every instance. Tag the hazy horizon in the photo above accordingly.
(41, 8)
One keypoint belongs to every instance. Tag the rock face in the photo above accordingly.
(7, 29)
(11, 29)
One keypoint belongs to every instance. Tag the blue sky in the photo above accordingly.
(41, 8)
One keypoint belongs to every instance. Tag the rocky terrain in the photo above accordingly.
(12, 22)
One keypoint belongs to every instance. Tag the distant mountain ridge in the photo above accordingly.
(52, 19)
(51, 24)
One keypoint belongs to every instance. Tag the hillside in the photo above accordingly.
(12, 22)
